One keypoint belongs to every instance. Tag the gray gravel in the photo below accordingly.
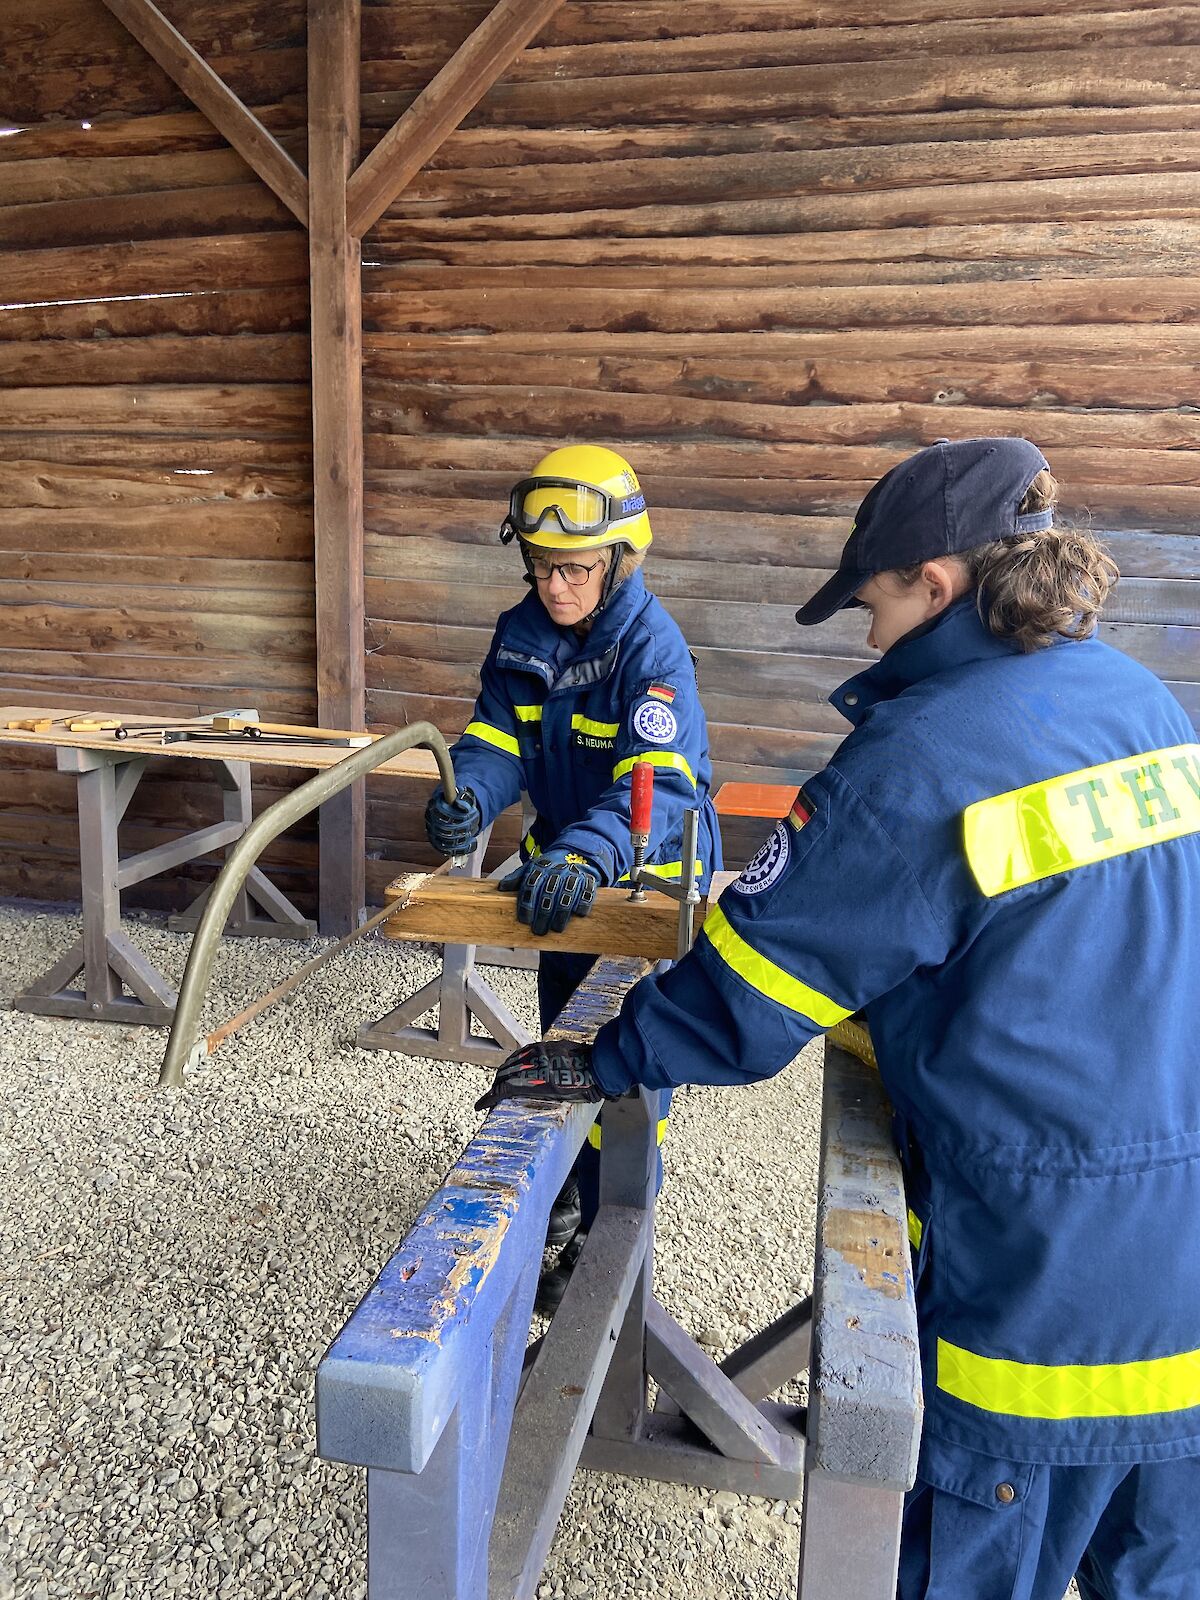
(175, 1264)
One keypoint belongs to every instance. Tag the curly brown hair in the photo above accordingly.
(1036, 587)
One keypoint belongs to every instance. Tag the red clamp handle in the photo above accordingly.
(642, 801)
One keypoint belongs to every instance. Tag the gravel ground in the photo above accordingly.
(176, 1263)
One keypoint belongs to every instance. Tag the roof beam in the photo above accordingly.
(212, 95)
(441, 106)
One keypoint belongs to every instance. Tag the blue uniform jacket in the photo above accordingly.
(1001, 865)
(565, 719)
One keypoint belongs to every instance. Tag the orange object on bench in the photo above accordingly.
(754, 799)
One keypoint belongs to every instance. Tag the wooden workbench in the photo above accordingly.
(118, 983)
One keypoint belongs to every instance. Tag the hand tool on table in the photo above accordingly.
(294, 731)
(685, 891)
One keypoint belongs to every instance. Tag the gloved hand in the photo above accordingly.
(452, 826)
(548, 1069)
(553, 888)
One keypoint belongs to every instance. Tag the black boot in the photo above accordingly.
(552, 1284)
(564, 1216)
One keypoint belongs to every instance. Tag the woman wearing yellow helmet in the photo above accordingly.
(588, 674)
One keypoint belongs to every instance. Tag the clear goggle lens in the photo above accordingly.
(576, 508)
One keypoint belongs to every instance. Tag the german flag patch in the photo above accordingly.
(801, 811)
(662, 691)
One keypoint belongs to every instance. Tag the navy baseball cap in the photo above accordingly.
(950, 497)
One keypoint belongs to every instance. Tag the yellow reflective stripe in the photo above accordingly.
(762, 974)
(496, 736)
(527, 713)
(595, 1133)
(665, 869)
(1082, 817)
(915, 1229)
(656, 758)
(532, 846)
(598, 730)
(1021, 1389)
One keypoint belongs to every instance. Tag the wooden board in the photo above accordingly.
(478, 911)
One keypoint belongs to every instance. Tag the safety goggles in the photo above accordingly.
(576, 508)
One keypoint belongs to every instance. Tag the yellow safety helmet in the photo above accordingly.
(582, 497)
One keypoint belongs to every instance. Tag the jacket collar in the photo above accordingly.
(954, 639)
(531, 642)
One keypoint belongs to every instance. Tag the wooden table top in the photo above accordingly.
(416, 763)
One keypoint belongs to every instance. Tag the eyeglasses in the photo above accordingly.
(576, 573)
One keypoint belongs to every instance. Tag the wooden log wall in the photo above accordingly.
(766, 248)
(155, 440)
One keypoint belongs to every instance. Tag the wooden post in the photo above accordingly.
(334, 256)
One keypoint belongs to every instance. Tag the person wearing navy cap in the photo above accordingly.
(999, 867)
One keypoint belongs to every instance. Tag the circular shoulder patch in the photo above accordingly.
(765, 867)
(655, 722)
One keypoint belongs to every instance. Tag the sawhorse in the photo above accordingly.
(471, 1437)
(459, 993)
(119, 983)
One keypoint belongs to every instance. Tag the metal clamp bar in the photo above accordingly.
(260, 833)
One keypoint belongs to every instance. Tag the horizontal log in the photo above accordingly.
(502, 410)
(633, 44)
(84, 176)
(1131, 196)
(756, 174)
(178, 131)
(530, 310)
(468, 395)
(143, 691)
(752, 462)
(120, 628)
(1150, 76)
(262, 579)
(176, 453)
(1134, 504)
(217, 681)
(1055, 248)
(222, 209)
(262, 531)
(267, 358)
(228, 312)
(114, 485)
(273, 410)
(158, 266)
(1103, 342)
(86, 590)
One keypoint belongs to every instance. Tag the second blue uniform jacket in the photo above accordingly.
(565, 719)
(1001, 865)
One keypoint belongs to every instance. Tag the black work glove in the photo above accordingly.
(553, 888)
(548, 1069)
(452, 826)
